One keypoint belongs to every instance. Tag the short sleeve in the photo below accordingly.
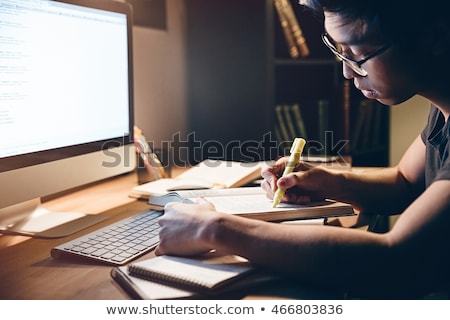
(436, 136)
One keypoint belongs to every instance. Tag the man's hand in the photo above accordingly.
(184, 228)
(307, 183)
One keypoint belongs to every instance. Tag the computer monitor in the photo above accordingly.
(66, 106)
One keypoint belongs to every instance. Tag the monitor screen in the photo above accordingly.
(66, 100)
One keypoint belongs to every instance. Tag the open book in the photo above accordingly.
(207, 174)
(169, 277)
(251, 202)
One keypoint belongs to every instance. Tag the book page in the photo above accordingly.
(248, 203)
(258, 206)
(220, 192)
(224, 174)
(190, 196)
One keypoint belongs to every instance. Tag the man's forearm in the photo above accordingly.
(383, 190)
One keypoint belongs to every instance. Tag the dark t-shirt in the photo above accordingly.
(436, 136)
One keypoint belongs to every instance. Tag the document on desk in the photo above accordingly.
(251, 202)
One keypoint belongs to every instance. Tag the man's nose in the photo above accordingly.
(347, 71)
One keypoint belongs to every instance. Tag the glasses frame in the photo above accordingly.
(355, 65)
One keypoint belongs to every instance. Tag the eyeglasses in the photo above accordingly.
(356, 66)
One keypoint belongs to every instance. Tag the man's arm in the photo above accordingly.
(387, 190)
(413, 257)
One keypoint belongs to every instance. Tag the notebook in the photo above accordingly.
(169, 277)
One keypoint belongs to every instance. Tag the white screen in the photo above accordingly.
(63, 75)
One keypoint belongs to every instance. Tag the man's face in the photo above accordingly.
(389, 79)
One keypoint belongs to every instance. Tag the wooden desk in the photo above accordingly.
(29, 272)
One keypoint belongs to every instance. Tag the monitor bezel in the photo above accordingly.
(40, 157)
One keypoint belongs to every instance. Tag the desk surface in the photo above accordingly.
(29, 272)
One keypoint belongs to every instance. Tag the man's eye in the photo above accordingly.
(345, 51)
(353, 53)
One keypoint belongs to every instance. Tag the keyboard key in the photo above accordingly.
(118, 243)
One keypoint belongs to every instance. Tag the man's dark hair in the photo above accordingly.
(400, 21)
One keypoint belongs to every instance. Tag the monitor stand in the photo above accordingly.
(30, 218)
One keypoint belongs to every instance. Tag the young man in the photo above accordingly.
(392, 50)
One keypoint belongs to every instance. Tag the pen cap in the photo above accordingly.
(298, 145)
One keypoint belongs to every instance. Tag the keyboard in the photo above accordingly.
(116, 244)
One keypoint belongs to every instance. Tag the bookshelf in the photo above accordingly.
(240, 70)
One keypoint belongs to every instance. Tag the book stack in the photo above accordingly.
(291, 29)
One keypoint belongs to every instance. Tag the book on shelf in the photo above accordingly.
(346, 105)
(377, 123)
(208, 174)
(251, 202)
(299, 121)
(170, 277)
(292, 31)
(292, 47)
(363, 126)
(289, 123)
(282, 125)
(367, 133)
(323, 115)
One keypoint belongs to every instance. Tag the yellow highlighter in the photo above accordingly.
(296, 151)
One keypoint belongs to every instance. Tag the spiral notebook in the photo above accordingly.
(202, 274)
(228, 277)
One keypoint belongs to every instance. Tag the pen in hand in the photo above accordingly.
(296, 151)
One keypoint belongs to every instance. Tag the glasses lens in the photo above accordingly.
(336, 48)
(355, 67)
